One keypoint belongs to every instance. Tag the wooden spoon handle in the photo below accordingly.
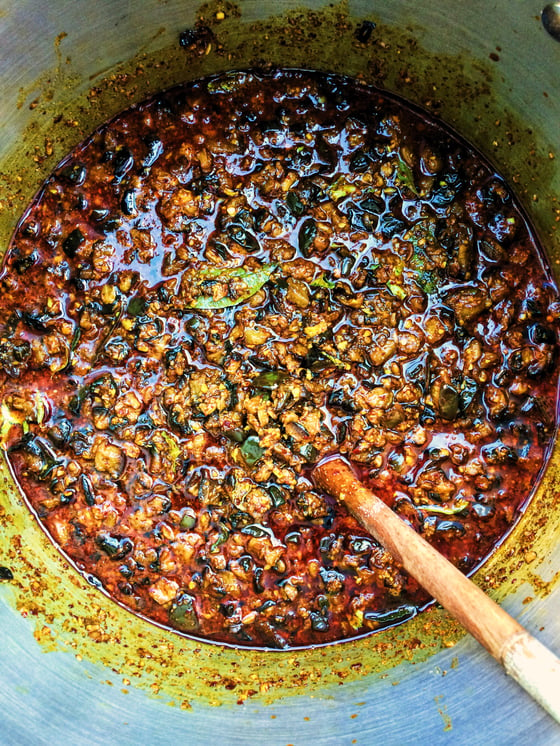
(531, 664)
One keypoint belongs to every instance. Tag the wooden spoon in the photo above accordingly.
(524, 658)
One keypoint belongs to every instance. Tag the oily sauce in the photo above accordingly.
(235, 279)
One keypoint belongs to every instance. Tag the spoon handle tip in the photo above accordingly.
(524, 658)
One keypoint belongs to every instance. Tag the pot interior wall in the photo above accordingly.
(491, 72)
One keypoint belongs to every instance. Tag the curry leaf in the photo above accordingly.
(421, 234)
(229, 82)
(404, 176)
(323, 282)
(397, 290)
(243, 284)
(295, 205)
(335, 361)
(392, 616)
(341, 188)
(222, 537)
(458, 507)
(173, 450)
(269, 379)
(427, 281)
(136, 306)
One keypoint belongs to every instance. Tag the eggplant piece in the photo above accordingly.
(115, 547)
(182, 615)
(295, 205)
(242, 237)
(60, 432)
(89, 495)
(449, 402)
(391, 226)
(128, 202)
(72, 242)
(539, 334)
(383, 619)
(23, 262)
(42, 460)
(319, 623)
(74, 173)
(469, 390)
(6, 573)
(123, 161)
(467, 302)
(306, 236)
(36, 321)
(154, 148)
(360, 161)
(251, 450)
(13, 354)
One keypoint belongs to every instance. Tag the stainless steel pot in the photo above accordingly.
(74, 667)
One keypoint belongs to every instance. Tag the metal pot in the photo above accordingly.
(75, 667)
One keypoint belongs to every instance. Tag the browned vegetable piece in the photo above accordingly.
(468, 302)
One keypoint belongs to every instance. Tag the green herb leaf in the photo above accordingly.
(458, 507)
(419, 235)
(174, 450)
(427, 281)
(341, 188)
(322, 282)
(247, 283)
(229, 82)
(75, 403)
(335, 361)
(269, 379)
(404, 176)
(222, 537)
(309, 452)
(295, 205)
(9, 418)
(393, 616)
(40, 408)
(397, 290)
